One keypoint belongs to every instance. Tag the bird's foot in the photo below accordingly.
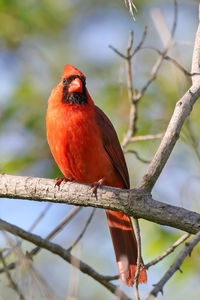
(94, 186)
(59, 180)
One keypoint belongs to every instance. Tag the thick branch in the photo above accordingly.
(136, 202)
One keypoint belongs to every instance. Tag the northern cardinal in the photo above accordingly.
(86, 148)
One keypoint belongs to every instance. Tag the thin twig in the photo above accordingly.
(139, 257)
(175, 267)
(146, 137)
(137, 156)
(12, 284)
(135, 96)
(73, 282)
(83, 231)
(196, 54)
(58, 228)
(133, 104)
(181, 111)
(177, 64)
(132, 94)
(63, 253)
(40, 217)
(35, 223)
(117, 52)
(160, 59)
(128, 67)
(139, 46)
(193, 141)
(175, 19)
(168, 251)
(26, 263)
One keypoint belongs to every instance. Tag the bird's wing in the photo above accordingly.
(112, 145)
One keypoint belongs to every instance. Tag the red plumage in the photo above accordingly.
(86, 148)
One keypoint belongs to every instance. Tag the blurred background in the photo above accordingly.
(37, 38)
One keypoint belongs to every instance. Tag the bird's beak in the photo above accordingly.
(75, 86)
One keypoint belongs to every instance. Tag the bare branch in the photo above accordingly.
(175, 19)
(12, 284)
(133, 104)
(135, 96)
(175, 267)
(182, 110)
(139, 257)
(135, 202)
(160, 59)
(117, 51)
(58, 228)
(40, 217)
(146, 137)
(177, 64)
(137, 156)
(139, 46)
(65, 254)
(83, 231)
(193, 140)
(35, 223)
(196, 54)
(132, 93)
(74, 277)
(25, 263)
(168, 251)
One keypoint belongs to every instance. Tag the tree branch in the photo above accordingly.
(145, 161)
(146, 137)
(83, 231)
(135, 202)
(168, 251)
(196, 54)
(175, 267)
(12, 283)
(58, 228)
(181, 112)
(65, 254)
(139, 258)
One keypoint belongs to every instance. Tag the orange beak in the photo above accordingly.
(75, 86)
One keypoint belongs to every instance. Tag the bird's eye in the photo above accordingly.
(64, 81)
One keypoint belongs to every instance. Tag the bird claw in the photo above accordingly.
(59, 180)
(94, 186)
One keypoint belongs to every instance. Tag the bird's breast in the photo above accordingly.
(76, 144)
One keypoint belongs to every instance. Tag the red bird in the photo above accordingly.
(86, 148)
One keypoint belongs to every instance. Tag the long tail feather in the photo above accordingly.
(125, 246)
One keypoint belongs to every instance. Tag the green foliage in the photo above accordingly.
(20, 19)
